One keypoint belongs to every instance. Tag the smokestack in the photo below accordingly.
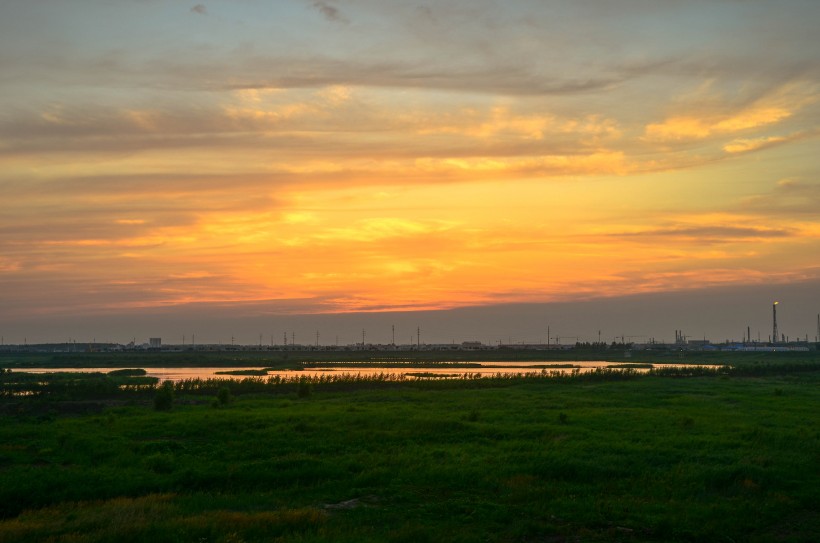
(774, 322)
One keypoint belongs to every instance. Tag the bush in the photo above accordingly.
(164, 399)
(224, 396)
(161, 462)
(563, 418)
(304, 388)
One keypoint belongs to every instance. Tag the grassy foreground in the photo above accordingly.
(647, 459)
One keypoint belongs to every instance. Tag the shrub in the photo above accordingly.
(164, 399)
(563, 418)
(304, 388)
(224, 396)
(161, 462)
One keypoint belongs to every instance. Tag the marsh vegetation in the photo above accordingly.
(697, 454)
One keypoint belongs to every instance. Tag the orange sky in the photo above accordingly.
(352, 156)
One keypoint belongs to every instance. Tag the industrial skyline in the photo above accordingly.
(588, 322)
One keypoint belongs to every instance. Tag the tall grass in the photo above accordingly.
(131, 384)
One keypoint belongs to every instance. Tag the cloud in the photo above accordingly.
(707, 112)
(199, 9)
(330, 12)
(754, 144)
(788, 199)
(709, 233)
(188, 69)
(691, 127)
(368, 230)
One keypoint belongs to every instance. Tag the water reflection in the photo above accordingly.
(443, 371)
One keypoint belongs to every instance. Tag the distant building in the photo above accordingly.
(702, 343)
(155, 343)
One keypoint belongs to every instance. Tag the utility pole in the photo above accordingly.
(394, 334)
(317, 339)
(418, 337)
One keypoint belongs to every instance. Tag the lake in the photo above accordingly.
(367, 368)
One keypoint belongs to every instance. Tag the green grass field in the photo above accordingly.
(726, 458)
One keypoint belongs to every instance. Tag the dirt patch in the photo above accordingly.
(366, 501)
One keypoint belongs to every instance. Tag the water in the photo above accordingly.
(366, 368)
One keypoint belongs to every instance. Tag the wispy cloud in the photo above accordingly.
(789, 198)
(709, 234)
(330, 11)
(710, 114)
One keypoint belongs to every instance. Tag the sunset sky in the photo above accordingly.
(289, 164)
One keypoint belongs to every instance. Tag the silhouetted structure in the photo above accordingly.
(774, 322)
